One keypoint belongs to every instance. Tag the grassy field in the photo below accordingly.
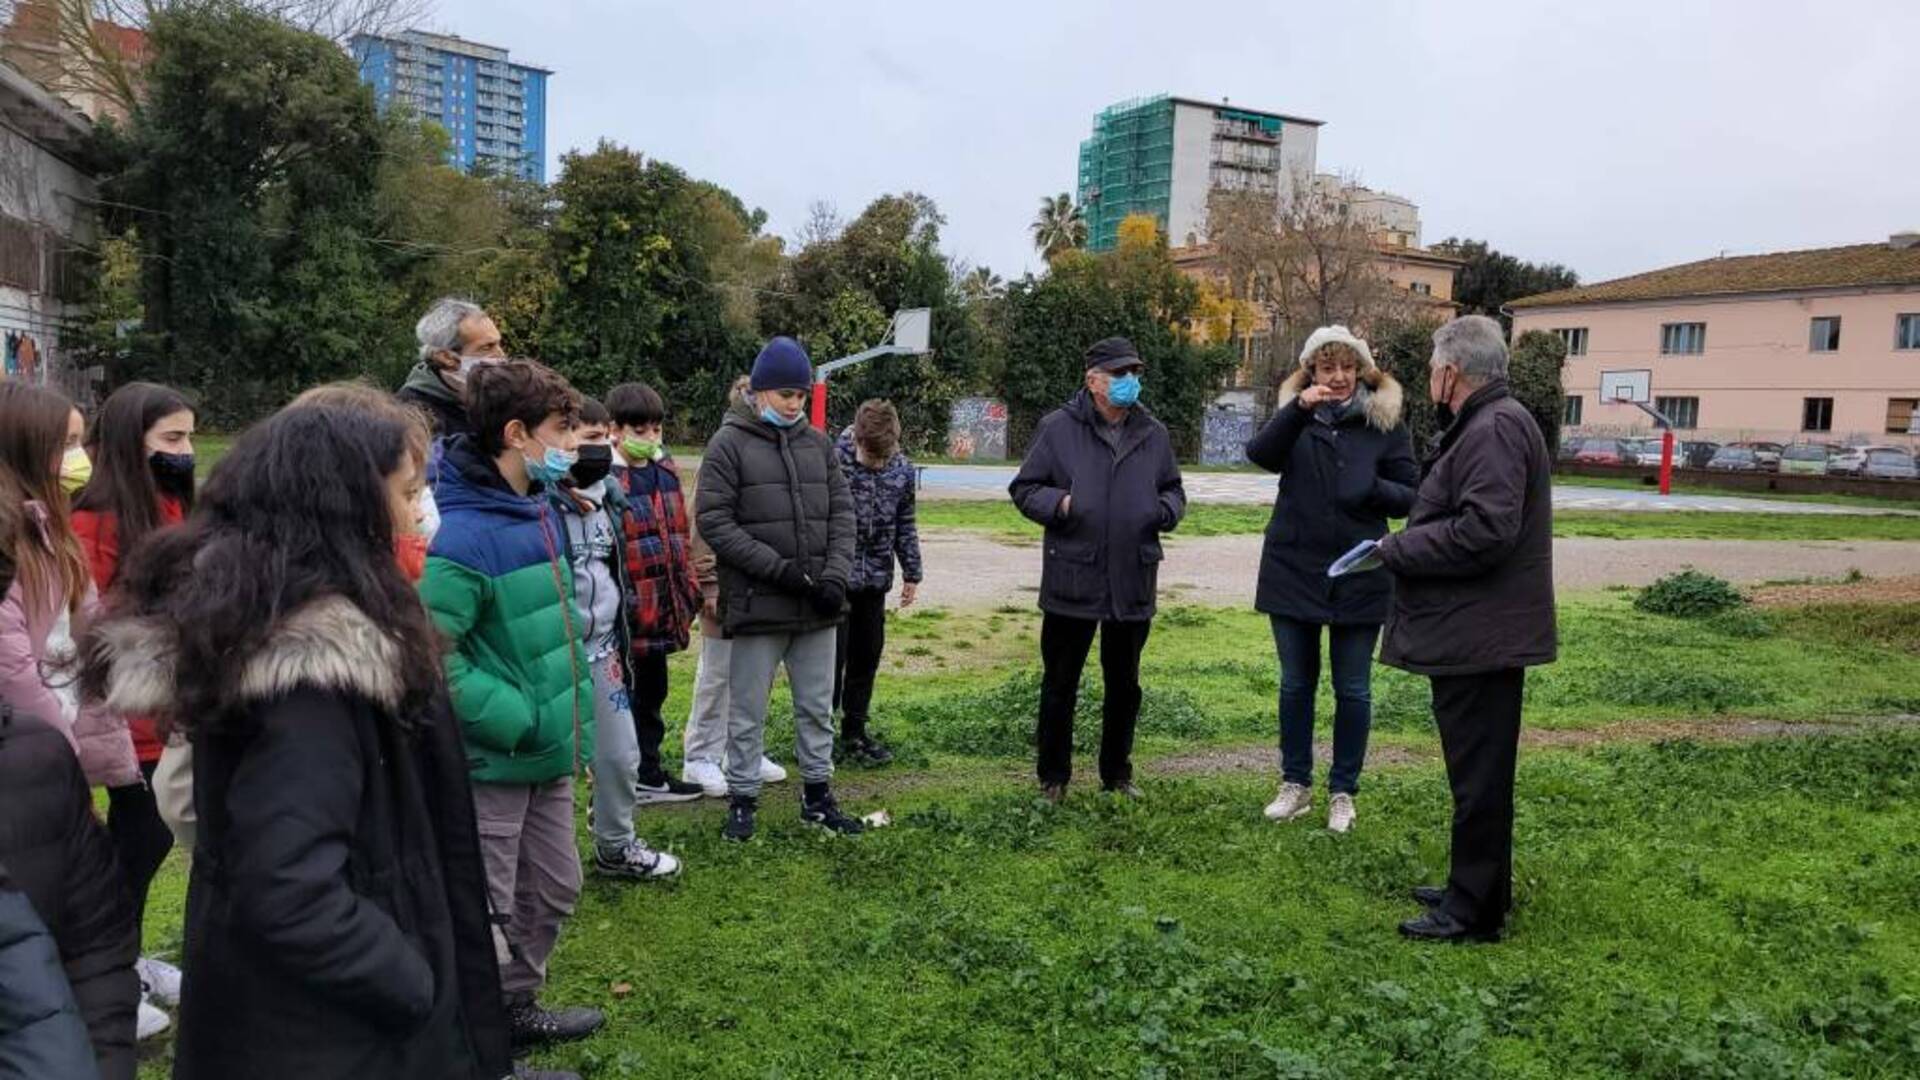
(1236, 519)
(1681, 487)
(1684, 909)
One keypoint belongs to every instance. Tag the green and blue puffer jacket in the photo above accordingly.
(499, 587)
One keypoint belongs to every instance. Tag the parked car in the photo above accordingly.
(1694, 455)
(1890, 463)
(1736, 458)
(1766, 453)
(1570, 448)
(1641, 451)
(1805, 459)
(1600, 452)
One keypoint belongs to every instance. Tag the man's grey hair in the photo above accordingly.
(439, 329)
(1475, 345)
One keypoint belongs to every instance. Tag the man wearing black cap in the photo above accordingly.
(1100, 476)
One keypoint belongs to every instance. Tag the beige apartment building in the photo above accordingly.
(1820, 346)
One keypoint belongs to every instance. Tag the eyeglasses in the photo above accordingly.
(1121, 373)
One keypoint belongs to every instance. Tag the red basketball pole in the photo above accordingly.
(820, 404)
(1666, 462)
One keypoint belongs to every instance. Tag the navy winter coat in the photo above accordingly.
(1102, 557)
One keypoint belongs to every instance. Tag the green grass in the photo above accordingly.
(1240, 519)
(1680, 487)
(1733, 911)
(208, 450)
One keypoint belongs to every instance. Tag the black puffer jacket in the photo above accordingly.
(768, 496)
(336, 922)
(1473, 569)
(1339, 483)
(41, 1030)
(1103, 554)
(427, 391)
(59, 855)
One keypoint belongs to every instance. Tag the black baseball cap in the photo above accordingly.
(1113, 354)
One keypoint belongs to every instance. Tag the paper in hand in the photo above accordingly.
(1364, 556)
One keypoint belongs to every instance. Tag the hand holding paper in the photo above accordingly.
(1364, 556)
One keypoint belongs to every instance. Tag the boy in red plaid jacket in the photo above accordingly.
(666, 593)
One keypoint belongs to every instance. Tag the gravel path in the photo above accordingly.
(970, 570)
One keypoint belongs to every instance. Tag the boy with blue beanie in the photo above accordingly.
(772, 503)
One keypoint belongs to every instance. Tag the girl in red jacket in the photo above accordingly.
(142, 451)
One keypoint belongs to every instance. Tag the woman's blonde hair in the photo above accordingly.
(1336, 352)
(367, 398)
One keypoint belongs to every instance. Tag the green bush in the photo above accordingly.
(1689, 594)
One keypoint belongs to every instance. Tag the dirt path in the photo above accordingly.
(970, 570)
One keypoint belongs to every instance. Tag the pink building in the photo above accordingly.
(1820, 346)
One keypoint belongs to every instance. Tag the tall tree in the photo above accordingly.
(1059, 227)
(1533, 371)
(253, 164)
(1491, 279)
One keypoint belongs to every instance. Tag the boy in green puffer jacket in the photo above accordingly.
(499, 587)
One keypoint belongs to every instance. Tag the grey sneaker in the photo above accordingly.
(1293, 801)
(1340, 814)
(635, 861)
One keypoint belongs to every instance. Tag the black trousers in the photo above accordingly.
(649, 693)
(1479, 719)
(1064, 643)
(140, 837)
(861, 640)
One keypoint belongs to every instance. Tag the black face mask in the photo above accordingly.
(172, 473)
(593, 464)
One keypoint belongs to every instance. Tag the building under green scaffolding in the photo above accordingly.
(1163, 155)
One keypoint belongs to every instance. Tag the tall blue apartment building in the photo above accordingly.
(495, 110)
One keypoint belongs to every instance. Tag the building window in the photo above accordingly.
(1571, 416)
(1575, 339)
(1816, 414)
(1683, 411)
(1679, 338)
(1420, 288)
(1901, 413)
(1906, 331)
(1825, 334)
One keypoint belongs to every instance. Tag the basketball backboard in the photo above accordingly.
(1635, 387)
(913, 328)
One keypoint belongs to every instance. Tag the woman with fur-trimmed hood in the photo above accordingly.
(336, 921)
(1340, 444)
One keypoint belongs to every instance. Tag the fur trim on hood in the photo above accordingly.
(1385, 400)
(328, 644)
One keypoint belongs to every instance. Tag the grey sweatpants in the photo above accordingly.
(750, 670)
(533, 873)
(616, 755)
(706, 735)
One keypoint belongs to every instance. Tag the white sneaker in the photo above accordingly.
(636, 861)
(771, 773)
(151, 1021)
(161, 980)
(708, 774)
(1293, 801)
(1340, 814)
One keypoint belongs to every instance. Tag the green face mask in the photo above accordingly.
(638, 450)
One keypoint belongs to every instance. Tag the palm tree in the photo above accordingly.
(1059, 226)
(980, 283)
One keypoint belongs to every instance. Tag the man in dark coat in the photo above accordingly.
(60, 857)
(1101, 477)
(774, 506)
(1473, 609)
(454, 336)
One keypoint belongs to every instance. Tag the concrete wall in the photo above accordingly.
(1757, 368)
(1192, 174)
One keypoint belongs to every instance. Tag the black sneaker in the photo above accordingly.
(530, 1025)
(740, 818)
(825, 812)
(866, 751)
(634, 860)
(662, 788)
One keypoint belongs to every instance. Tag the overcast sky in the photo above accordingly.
(1614, 137)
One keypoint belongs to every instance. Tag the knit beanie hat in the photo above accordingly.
(1108, 354)
(1340, 335)
(782, 365)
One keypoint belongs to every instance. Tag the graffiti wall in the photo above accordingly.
(977, 430)
(1224, 435)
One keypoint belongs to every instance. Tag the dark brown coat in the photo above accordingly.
(1473, 570)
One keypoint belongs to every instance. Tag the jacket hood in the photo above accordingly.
(327, 644)
(1385, 401)
(466, 479)
(426, 382)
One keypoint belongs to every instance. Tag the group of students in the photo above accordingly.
(377, 646)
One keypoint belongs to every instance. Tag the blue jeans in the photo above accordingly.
(1351, 651)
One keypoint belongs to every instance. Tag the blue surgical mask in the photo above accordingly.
(552, 466)
(1123, 390)
(772, 416)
